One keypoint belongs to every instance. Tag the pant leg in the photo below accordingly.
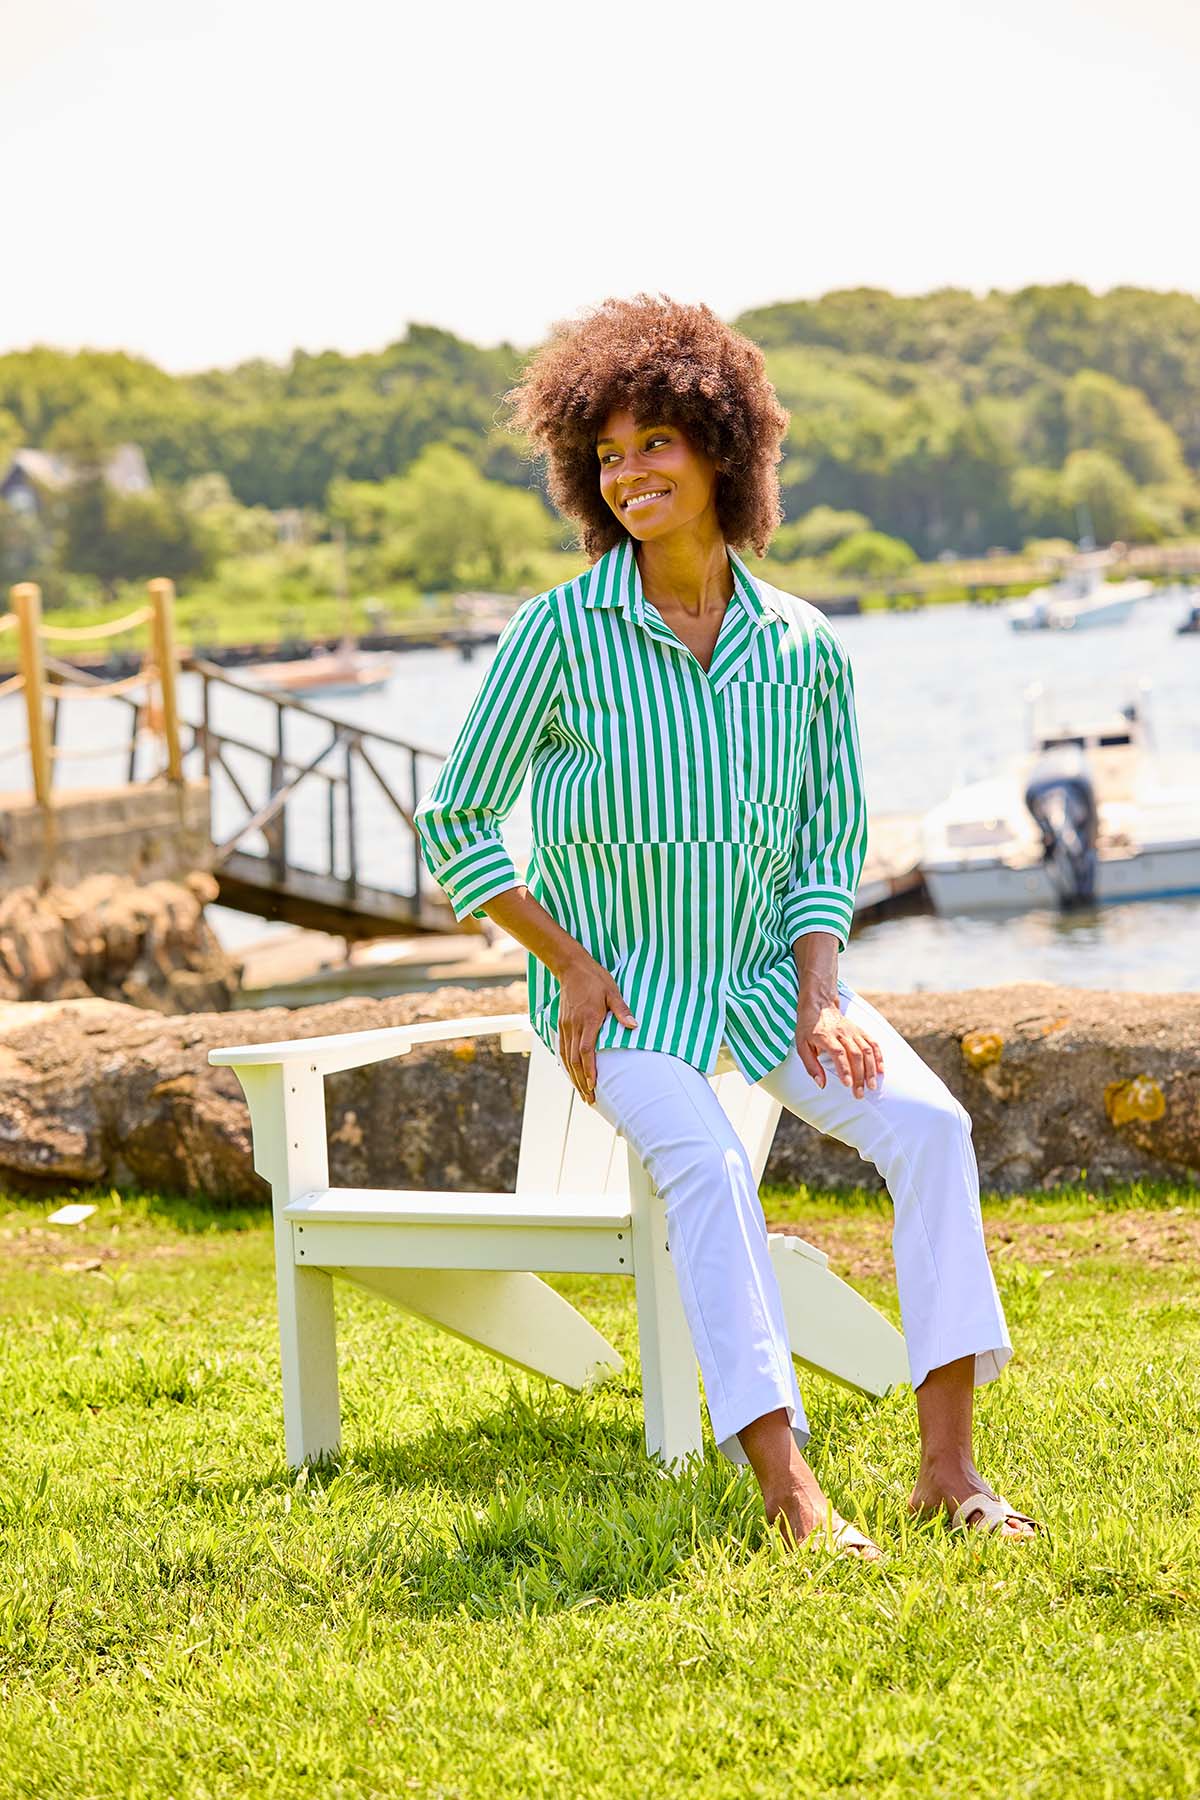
(919, 1138)
(671, 1118)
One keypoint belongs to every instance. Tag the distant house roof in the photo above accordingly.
(124, 470)
(42, 466)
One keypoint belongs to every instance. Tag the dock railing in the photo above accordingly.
(45, 681)
(253, 855)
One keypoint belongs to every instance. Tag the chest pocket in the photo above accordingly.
(768, 725)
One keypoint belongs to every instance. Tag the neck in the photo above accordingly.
(689, 569)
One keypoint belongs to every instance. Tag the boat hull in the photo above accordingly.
(1164, 872)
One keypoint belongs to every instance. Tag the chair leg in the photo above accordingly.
(287, 1111)
(308, 1353)
(670, 1387)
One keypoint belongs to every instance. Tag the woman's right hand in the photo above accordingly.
(589, 994)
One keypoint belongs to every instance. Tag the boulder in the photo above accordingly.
(115, 938)
(1059, 1082)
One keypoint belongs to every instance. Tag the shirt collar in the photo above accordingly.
(615, 581)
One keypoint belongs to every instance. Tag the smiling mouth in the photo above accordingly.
(636, 500)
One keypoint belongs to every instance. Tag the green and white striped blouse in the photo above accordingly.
(688, 828)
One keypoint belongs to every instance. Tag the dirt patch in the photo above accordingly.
(72, 1253)
(861, 1244)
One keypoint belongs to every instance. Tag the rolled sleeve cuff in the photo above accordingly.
(818, 909)
(476, 874)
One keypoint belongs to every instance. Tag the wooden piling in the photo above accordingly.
(162, 599)
(27, 604)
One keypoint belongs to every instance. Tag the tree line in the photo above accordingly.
(948, 422)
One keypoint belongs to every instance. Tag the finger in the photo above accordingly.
(808, 1057)
(871, 1058)
(842, 1064)
(589, 1071)
(854, 1056)
(617, 1004)
(571, 1061)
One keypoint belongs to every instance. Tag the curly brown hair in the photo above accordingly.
(669, 364)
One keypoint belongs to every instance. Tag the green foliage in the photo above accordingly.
(490, 1592)
(444, 525)
(1101, 494)
(947, 419)
(871, 553)
(22, 548)
(1040, 504)
(1103, 414)
(817, 532)
(232, 530)
(924, 413)
(130, 536)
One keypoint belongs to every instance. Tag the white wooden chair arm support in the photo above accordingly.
(355, 1049)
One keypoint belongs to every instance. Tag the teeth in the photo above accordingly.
(638, 499)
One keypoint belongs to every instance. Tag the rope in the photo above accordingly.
(12, 684)
(59, 754)
(79, 634)
(101, 690)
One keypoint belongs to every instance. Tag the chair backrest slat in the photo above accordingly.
(570, 1148)
(566, 1147)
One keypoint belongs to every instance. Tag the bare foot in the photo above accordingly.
(804, 1516)
(944, 1487)
(791, 1493)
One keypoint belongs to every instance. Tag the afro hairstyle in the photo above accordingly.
(670, 364)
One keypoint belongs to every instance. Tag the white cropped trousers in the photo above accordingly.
(918, 1137)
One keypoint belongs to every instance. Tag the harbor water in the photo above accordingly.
(940, 696)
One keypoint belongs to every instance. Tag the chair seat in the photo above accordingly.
(383, 1206)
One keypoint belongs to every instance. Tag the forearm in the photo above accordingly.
(816, 958)
(526, 919)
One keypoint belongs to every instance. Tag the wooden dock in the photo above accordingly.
(307, 967)
(296, 851)
(256, 864)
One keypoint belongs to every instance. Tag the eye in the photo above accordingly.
(660, 437)
(604, 456)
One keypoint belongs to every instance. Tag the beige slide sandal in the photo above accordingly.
(983, 1512)
(843, 1539)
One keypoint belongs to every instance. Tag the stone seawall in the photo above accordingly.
(1059, 1082)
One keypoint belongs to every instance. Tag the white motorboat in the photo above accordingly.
(1081, 599)
(1087, 816)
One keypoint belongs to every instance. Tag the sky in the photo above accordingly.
(205, 184)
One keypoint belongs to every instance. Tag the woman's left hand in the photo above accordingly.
(822, 1027)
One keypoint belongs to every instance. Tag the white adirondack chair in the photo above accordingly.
(583, 1203)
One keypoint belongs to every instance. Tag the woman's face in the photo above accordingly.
(654, 479)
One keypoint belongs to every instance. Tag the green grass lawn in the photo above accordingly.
(493, 1595)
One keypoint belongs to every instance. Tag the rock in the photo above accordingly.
(112, 937)
(95, 1091)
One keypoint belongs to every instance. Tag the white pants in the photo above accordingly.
(918, 1137)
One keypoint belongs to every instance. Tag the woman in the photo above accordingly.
(699, 830)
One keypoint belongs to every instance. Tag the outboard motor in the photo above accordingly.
(1062, 800)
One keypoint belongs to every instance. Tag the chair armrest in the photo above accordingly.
(354, 1049)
